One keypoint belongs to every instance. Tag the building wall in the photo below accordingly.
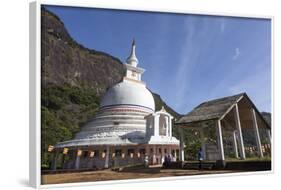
(155, 155)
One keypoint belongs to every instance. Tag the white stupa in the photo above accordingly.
(126, 127)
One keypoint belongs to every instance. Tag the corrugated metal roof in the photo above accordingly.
(213, 109)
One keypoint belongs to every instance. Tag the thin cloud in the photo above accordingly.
(186, 61)
(189, 58)
(237, 54)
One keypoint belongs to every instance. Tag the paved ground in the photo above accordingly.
(104, 175)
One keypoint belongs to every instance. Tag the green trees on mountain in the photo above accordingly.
(64, 109)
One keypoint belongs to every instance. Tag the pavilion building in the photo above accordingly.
(125, 130)
(228, 128)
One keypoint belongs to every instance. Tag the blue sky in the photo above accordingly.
(188, 59)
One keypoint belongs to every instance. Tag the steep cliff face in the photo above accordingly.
(66, 62)
(73, 80)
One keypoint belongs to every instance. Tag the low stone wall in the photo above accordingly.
(99, 163)
(249, 165)
(65, 171)
(228, 165)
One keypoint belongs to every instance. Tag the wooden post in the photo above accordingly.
(235, 145)
(154, 155)
(257, 134)
(268, 135)
(62, 161)
(106, 164)
(77, 160)
(268, 131)
(181, 144)
(202, 137)
(54, 160)
(240, 137)
(220, 139)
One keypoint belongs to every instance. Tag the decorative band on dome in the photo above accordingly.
(128, 107)
(126, 110)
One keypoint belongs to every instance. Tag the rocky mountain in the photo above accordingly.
(73, 80)
(65, 61)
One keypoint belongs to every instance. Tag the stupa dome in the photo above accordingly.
(128, 93)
